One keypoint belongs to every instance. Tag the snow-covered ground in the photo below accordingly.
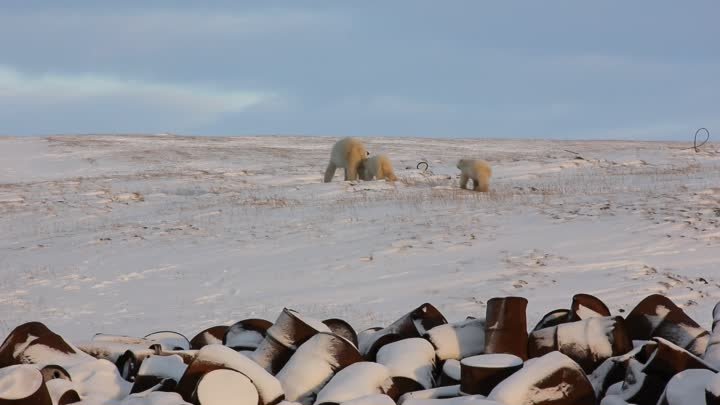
(134, 234)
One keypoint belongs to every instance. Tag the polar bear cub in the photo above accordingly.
(347, 153)
(477, 170)
(378, 167)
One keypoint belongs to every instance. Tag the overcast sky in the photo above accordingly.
(641, 69)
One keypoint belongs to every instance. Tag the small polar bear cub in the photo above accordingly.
(378, 167)
(347, 153)
(477, 170)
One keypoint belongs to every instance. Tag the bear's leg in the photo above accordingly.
(463, 181)
(351, 171)
(480, 184)
(330, 172)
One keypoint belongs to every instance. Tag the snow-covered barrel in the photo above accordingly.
(111, 347)
(246, 334)
(464, 400)
(614, 369)
(451, 391)
(553, 318)
(712, 353)
(586, 306)
(53, 371)
(450, 373)
(186, 355)
(506, 326)
(371, 354)
(169, 340)
(129, 363)
(165, 370)
(458, 340)
(411, 325)
(216, 356)
(712, 391)
(687, 387)
(23, 385)
(669, 359)
(34, 343)
(553, 379)
(589, 342)
(658, 316)
(289, 331)
(210, 336)
(343, 329)
(354, 381)
(613, 400)
(480, 374)
(314, 363)
(222, 386)
(411, 363)
(638, 387)
(62, 392)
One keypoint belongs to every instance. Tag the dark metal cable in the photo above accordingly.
(697, 146)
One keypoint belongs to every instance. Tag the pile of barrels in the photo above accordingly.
(581, 355)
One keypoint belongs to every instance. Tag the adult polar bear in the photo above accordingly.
(476, 170)
(347, 153)
(377, 167)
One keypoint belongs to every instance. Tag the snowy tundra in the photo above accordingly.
(134, 234)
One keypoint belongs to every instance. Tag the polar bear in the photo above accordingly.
(347, 153)
(377, 167)
(477, 170)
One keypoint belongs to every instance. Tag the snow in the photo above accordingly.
(712, 353)
(412, 358)
(18, 382)
(217, 212)
(433, 393)
(614, 389)
(633, 383)
(584, 312)
(467, 399)
(376, 399)
(245, 338)
(224, 386)
(613, 400)
(20, 347)
(43, 354)
(112, 347)
(492, 361)
(355, 381)
(152, 398)
(98, 378)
